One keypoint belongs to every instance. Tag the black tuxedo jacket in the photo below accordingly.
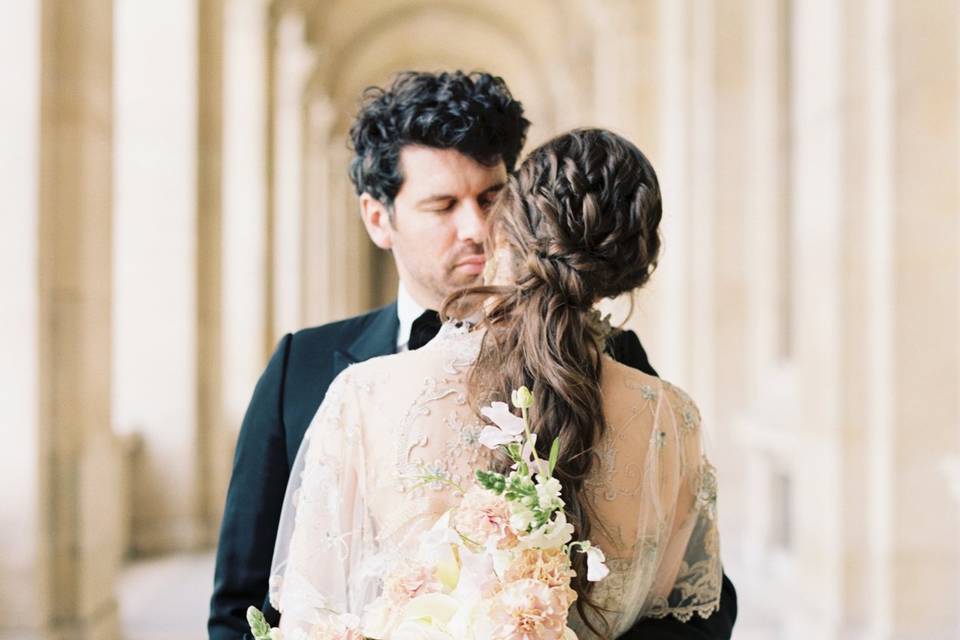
(283, 404)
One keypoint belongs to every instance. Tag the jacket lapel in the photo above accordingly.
(377, 338)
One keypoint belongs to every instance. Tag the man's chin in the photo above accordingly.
(459, 281)
(466, 280)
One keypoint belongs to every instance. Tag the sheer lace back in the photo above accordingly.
(355, 502)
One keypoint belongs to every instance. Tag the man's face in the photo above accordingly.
(438, 224)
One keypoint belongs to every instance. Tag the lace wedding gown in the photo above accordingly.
(353, 507)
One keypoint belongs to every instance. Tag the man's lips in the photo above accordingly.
(473, 264)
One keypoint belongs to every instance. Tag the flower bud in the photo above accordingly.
(522, 398)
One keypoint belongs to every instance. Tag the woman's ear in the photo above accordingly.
(376, 218)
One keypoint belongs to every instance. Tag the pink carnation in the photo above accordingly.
(529, 610)
(343, 627)
(407, 580)
(484, 518)
(549, 566)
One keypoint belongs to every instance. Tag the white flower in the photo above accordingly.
(419, 630)
(548, 493)
(551, 535)
(477, 575)
(349, 621)
(502, 558)
(426, 618)
(492, 437)
(379, 617)
(423, 618)
(521, 516)
(508, 426)
(596, 569)
(529, 452)
(436, 549)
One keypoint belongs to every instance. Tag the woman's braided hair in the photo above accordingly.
(579, 222)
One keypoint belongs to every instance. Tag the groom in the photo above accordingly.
(431, 153)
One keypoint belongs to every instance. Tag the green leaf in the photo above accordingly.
(491, 481)
(554, 455)
(258, 624)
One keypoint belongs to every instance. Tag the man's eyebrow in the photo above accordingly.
(440, 197)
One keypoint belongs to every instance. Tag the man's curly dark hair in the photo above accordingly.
(473, 113)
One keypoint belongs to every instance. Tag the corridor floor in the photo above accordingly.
(166, 598)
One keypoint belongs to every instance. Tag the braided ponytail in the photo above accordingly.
(578, 223)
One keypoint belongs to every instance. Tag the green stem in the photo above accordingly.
(526, 430)
(429, 479)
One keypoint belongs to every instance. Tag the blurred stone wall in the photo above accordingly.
(175, 199)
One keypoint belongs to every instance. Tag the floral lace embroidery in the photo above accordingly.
(697, 591)
(707, 492)
(606, 450)
(647, 392)
(689, 412)
(463, 452)
(698, 584)
(413, 436)
(460, 342)
(466, 439)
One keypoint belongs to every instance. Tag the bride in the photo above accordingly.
(576, 224)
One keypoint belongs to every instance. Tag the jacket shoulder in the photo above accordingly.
(335, 334)
(625, 347)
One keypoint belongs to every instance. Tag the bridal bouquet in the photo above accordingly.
(496, 566)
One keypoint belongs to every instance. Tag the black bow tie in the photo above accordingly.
(424, 329)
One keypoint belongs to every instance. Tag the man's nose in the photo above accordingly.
(471, 222)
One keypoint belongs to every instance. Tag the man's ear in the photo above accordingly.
(376, 218)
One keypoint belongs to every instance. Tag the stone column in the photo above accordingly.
(753, 162)
(354, 268)
(317, 242)
(925, 324)
(213, 460)
(246, 347)
(816, 206)
(157, 254)
(74, 549)
(292, 62)
(25, 559)
(732, 170)
(865, 342)
(627, 56)
(337, 253)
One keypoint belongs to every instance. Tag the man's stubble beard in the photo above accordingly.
(445, 281)
(452, 282)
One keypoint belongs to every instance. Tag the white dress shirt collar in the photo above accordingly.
(408, 310)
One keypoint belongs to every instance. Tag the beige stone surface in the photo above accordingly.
(245, 268)
(926, 323)
(156, 257)
(808, 294)
(21, 496)
(70, 465)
